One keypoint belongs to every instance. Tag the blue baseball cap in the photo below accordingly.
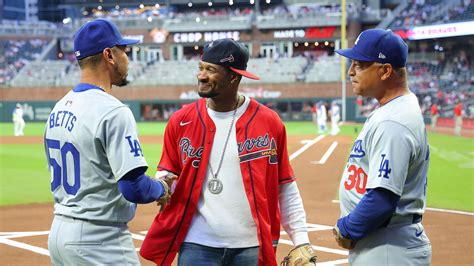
(96, 35)
(378, 45)
(228, 53)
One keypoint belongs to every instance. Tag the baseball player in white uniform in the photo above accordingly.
(383, 187)
(18, 121)
(322, 118)
(96, 162)
(335, 118)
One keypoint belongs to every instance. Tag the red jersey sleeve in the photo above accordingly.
(286, 174)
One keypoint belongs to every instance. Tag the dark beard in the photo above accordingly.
(122, 82)
(208, 94)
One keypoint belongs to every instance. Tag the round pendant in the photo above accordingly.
(215, 186)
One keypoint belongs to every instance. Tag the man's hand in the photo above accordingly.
(341, 240)
(168, 182)
(301, 255)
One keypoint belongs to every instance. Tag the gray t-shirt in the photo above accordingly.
(91, 142)
(390, 152)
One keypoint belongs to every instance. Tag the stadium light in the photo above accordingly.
(150, 19)
(252, 2)
(198, 19)
(157, 5)
(190, 4)
(209, 3)
(142, 6)
(231, 2)
(67, 20)
(196, 47)
(117, 7)
(316, 43)
(268, 1)
(99, 7)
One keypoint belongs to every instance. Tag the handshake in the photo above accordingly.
(168, 180)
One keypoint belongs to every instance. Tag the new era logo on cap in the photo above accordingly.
(378, 45)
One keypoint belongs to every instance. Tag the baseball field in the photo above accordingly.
(318, 161)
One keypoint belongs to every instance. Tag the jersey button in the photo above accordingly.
(212, 129)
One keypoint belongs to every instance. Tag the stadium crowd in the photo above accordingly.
(424, 12)
(15, 54)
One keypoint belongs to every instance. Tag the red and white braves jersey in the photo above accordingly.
(264, 163)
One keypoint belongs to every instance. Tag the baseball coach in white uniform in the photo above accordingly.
(383, 187)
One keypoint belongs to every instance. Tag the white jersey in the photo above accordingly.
(17, 114)
(390, 152)
(91, 142)
(335, 111)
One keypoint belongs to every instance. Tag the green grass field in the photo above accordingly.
(25, 179)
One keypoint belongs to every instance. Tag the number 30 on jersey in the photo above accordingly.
(357, 179)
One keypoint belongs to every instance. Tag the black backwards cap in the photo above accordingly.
(228, 53)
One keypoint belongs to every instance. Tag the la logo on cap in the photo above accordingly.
(357, 40)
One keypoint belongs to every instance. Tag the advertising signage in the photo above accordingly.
(309, 33)
(438, 31)
(194, 37)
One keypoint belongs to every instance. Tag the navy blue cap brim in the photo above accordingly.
(354, 55)
(128, 41)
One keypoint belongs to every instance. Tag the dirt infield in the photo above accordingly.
(24, 228)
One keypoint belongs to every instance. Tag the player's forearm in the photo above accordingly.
(293, 216)
(140, 189)
(373, 210)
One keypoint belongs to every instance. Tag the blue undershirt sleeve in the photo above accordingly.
(137, 187)
(374, 209)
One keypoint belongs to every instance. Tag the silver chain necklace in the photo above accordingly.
(214, 185)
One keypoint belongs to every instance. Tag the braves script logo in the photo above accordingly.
(188, 151)
(228, 59)
(259, 142)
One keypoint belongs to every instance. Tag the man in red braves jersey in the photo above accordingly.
(234, 181)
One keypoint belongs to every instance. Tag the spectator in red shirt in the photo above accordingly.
(434, 116)
(458, 118)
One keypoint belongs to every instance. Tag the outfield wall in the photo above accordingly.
(151, 103)
(289, 109)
